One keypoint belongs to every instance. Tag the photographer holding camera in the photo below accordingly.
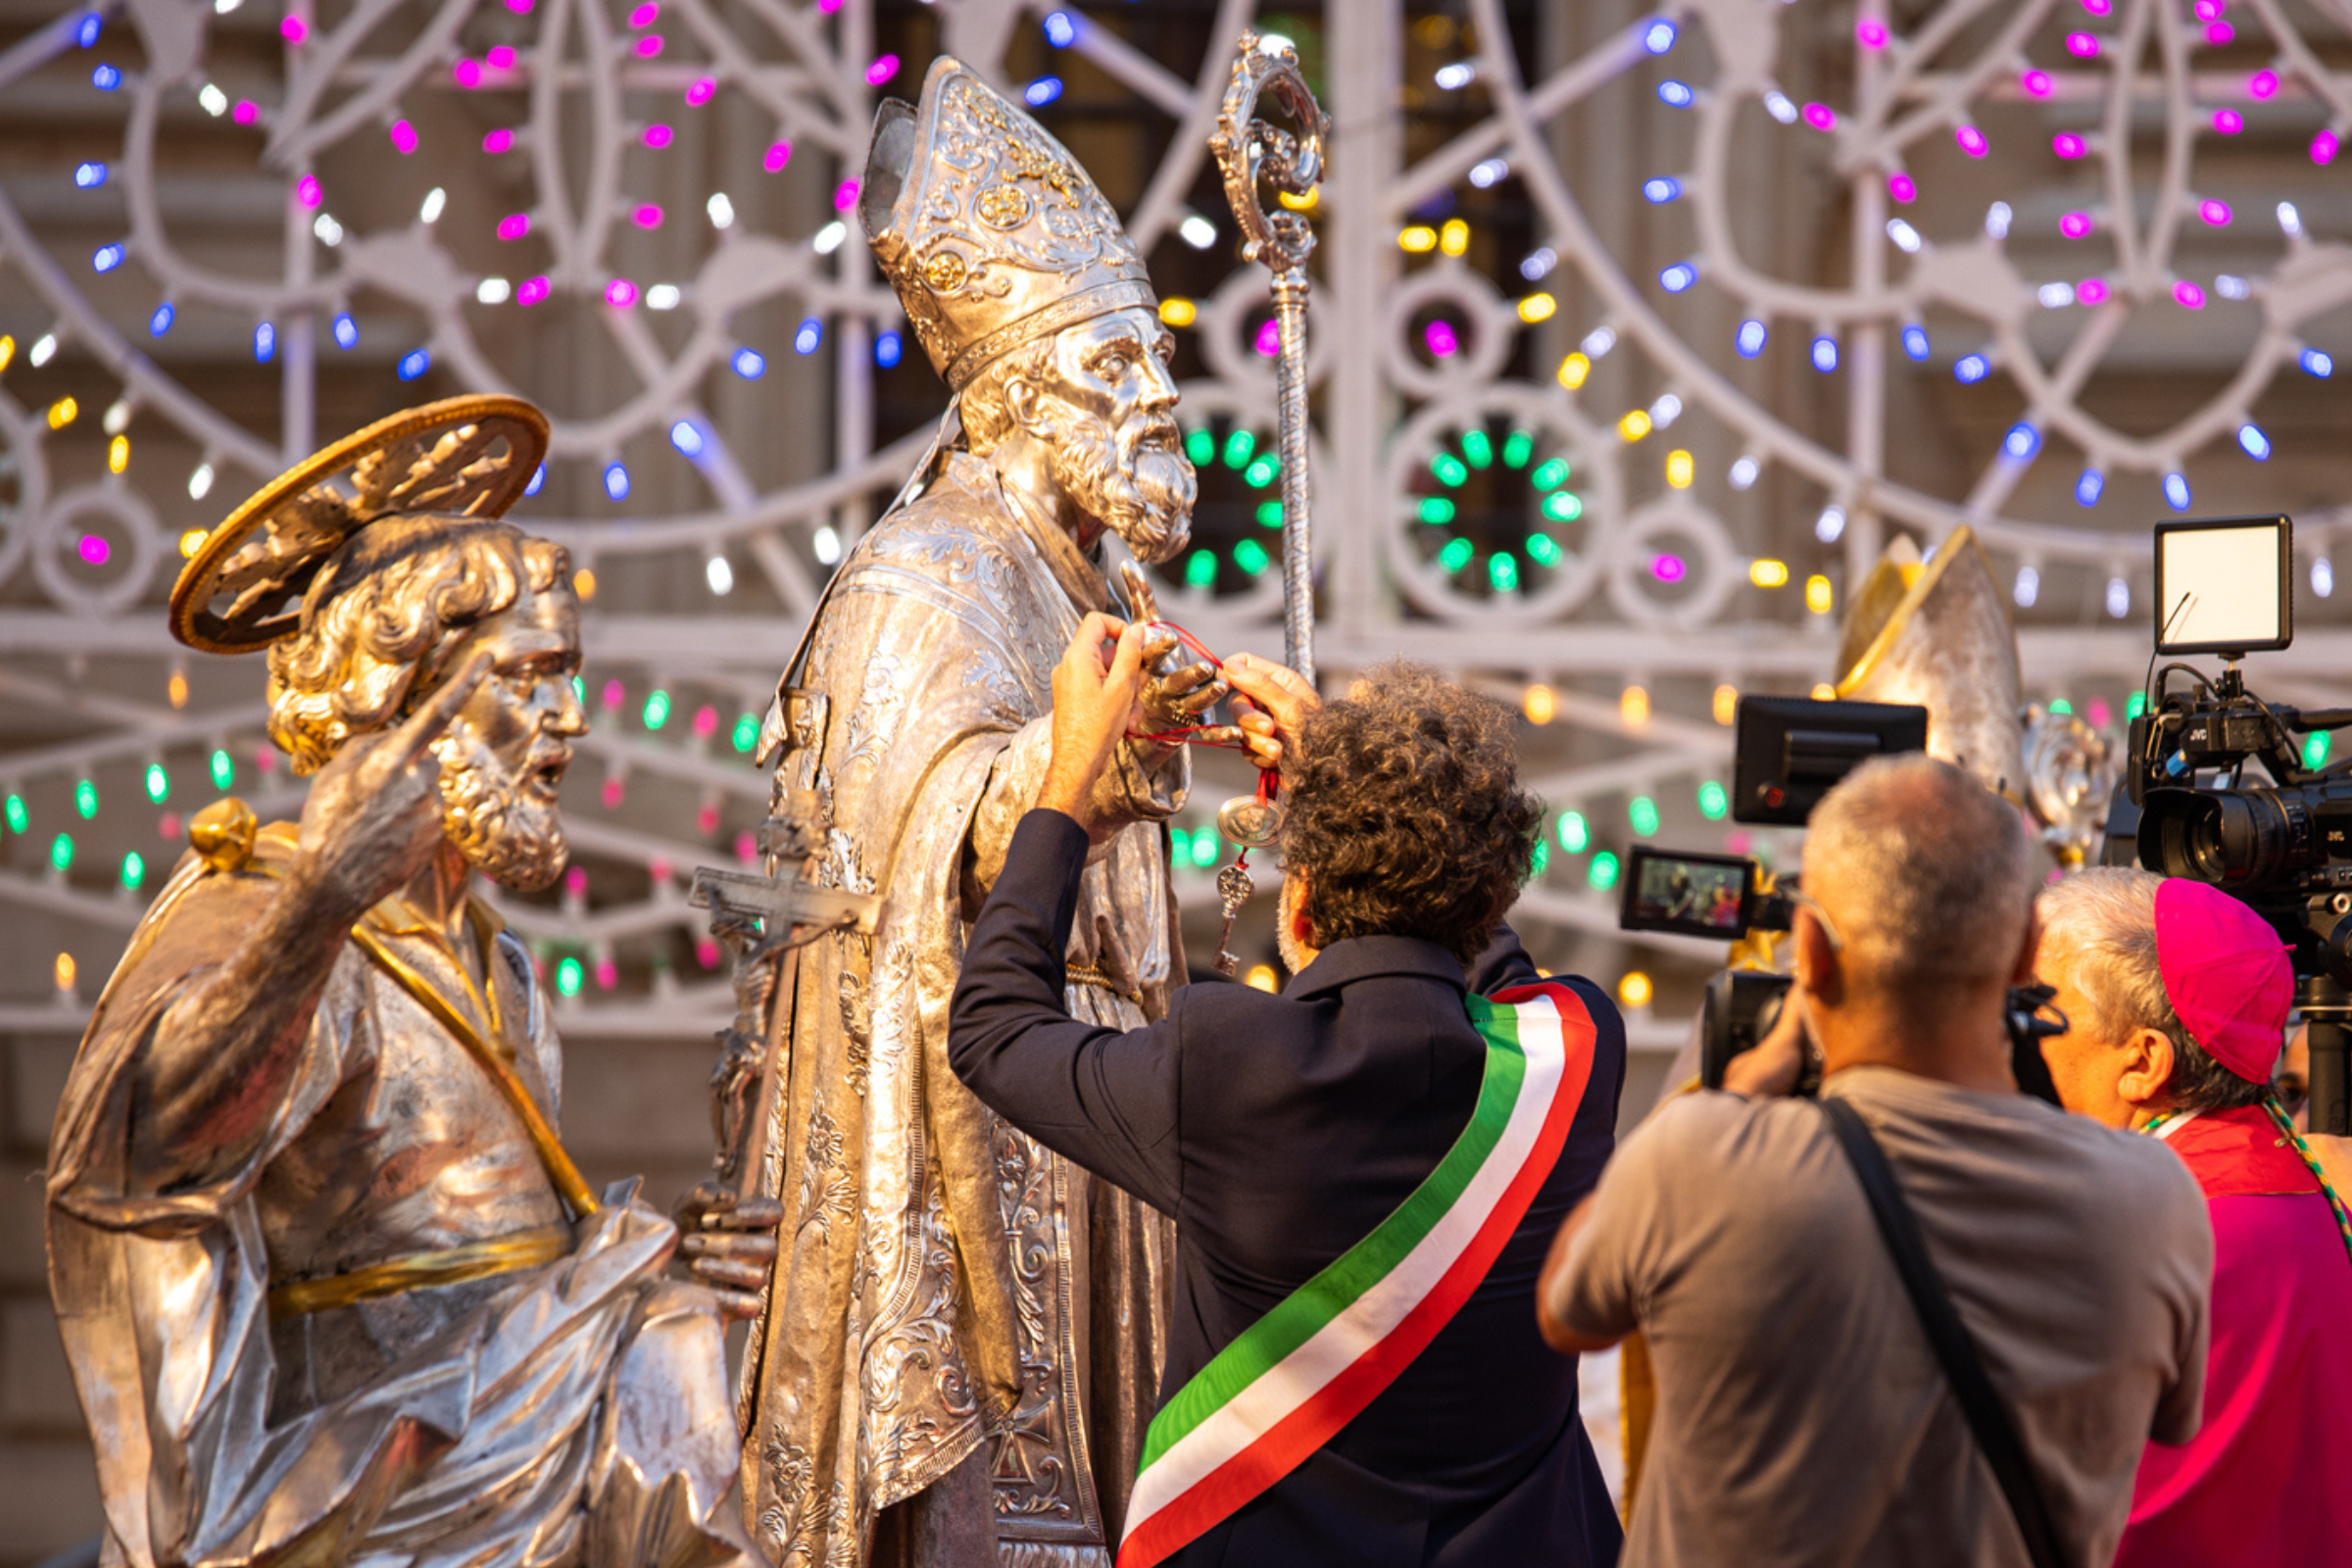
(2176, 996)
(1364, 1170)
(1811, 1406)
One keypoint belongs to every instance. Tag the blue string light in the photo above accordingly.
(687, 438)
(2256, 444)
(1658, 37)
(1825, 354)
(1678, 278)
(1676, 94)
(413, 364)
(89, 176)
(889, 348)
(86, 35)
(106, 257)
(1061, 31)
(2088, 487)
(749, 364)
(617, 480)
(346, 330)
(1915, 341)
(1041, 93)
(2316, 363)
(106, 78)
(1971, 369)
(1659, 189)
(161, 321)
(264, 342)
(2021, 441)
(538, 480)
(2176, 491)
(1751, 339)
(810, 335)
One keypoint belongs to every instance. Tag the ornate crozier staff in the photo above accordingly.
(1248, 150)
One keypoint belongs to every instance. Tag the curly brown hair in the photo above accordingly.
(1406, 814)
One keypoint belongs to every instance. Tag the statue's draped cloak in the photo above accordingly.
(942, 1277)
(572, 1412)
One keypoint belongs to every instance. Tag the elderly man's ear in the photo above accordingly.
(2147, 1067)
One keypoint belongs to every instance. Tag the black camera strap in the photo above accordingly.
(1956, 1348)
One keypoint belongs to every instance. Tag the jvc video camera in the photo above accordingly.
(2278, 840)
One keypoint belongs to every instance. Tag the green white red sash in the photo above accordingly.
(1305, 1370)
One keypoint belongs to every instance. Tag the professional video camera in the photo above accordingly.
(1787, 754)
(2185, 809)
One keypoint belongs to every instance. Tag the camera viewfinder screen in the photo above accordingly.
(2222, 586)
(1696, 895)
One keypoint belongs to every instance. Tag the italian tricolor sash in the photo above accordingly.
(1305, 1370)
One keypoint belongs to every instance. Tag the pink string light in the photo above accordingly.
(2264, 84)
(881, 70)
(94, 549)
(531, 290)
(645, 15)
(294, 29)
(648, 46)
(747, 845)
(1871, 33)
(2098, 8)
(501, 57)
(305, 190)
(246, 112)
(2188, 296)
(1821, 116)
(468, 73)
(501, 140)
(2083, 45)
(778, 154)
(2091, 291)
(615, 694)
(700, 93)
(620, 293)
(1439, 336)
(513, 226)
(2036, 83)
(1669, 569)
(608, 974)
(657, 136)
(2229, 121)
(2324, 147)
(707, 954)
(648, 215)
(2065, 144)
(1269, 338)
(1971, 140)
(844, 196)
(2214, 211)
(2210, 10)
(1901, 187)
(705, 820)
(404, 138)
(2074, 225)
(706, 722)
(613, 793)
(521, 8)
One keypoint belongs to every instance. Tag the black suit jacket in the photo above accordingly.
(1278, 1131)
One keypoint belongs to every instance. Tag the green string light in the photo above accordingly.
(1238, 447)
(1551, 475)
(568, 977)
(1436, 511)
(1544, 550)
(1502, 572)
(1202, 447)
(1456, 553)
(1574, 832)
(1478, 449)
(19, 819)
(61, 851)
(1200, 568)
(1269, 513)
(85, 798)
(1603, 872)
(2315, 749)
(1713, 801)
(747, 732)
(1252, 557)
(1643, 813)
(2136, 704)
(159, 782)
(1449, 469)
(225, 770)
(657, 708)
(1517, 449)
(1563, 505)
(134, 870)
(1180, 846)
(2059, 704)
(1205, 847)
(1261, 471)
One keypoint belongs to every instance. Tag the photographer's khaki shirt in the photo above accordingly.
(1801, 1416)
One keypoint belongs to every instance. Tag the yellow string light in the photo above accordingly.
(1766, 572)
(1262, 977)
(1634, 425)
(1537, 307)
(583, 583)
(1573, 370)
(1177, 311)
(1632, 705)
(1823, 692)
(1727, 703)
(192, 541)
(8, 351)
(1539, 702)
(118, 453)
(1418, 240)
(1301, 204)
(63, 413)
(64, 970)
(176, 688)
(1455, 238)
(1817, 596)
(1634, 988)
(1680, 469)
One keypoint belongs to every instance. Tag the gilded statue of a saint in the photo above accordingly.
(964, 1332)
(329, 1286)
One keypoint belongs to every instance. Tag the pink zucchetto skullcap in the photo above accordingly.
(2225, 973)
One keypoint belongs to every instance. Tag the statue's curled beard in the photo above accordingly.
(1143, 495)
(504, 832)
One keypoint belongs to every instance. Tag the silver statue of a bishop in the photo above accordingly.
(331, 1289)
(964, 1332)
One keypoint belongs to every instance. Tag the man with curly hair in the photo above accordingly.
(1364, 1170)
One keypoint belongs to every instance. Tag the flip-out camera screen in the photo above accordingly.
(2221, 585)
(1696, 895)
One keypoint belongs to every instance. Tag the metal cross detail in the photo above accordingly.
(760, 919)
(1233, 888)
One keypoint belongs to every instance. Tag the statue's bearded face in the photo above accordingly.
(502, 756)
(1116, 452)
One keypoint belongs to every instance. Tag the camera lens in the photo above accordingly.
(2227, 839)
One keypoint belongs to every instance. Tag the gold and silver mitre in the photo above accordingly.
(992, 233)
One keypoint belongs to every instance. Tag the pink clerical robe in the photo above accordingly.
(2266, 1480)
